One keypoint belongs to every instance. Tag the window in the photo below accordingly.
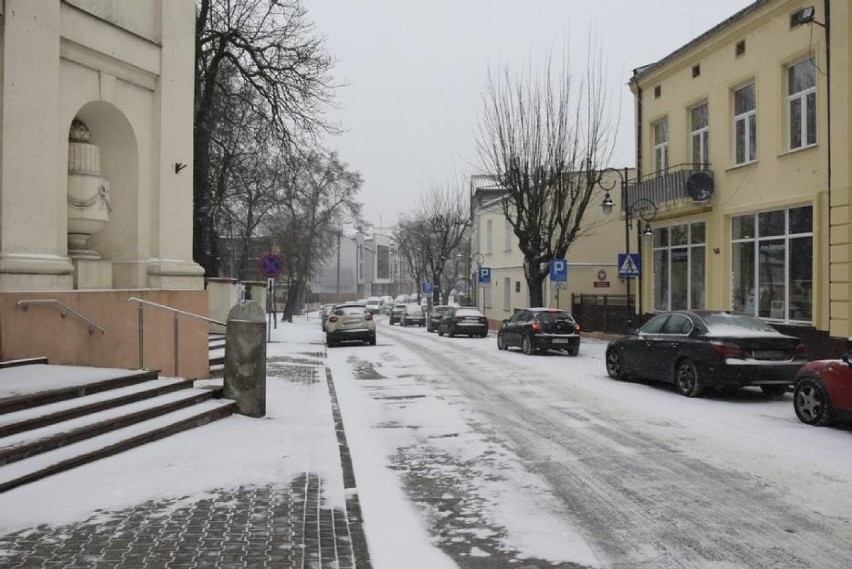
(507, 294)
(699, 134)
(661, 145)
(489, 236)
(772, 273)
(745, 125)
(696, 70)
(658, 90)
(507, 236)
(740, 48)
(680, 267)
(801, 104)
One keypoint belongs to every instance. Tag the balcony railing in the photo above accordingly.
(686, 181)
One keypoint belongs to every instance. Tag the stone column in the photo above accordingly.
(245, 359)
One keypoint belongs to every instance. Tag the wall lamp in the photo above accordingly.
(804, 16)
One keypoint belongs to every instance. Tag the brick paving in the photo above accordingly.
(281, 526)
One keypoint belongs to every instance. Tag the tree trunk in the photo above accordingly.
(535, 281)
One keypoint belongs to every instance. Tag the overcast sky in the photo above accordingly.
(415, 71)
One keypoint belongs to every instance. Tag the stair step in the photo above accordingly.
(23, 362)
(110, 443)
(43, 415)
(33, 385)
(29, 443)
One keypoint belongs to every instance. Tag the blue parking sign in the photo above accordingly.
(484, 275)
(426, 288)
(558, 270)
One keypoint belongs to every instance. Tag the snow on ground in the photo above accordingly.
(396, 403)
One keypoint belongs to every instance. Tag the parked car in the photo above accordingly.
(540, 329)
(350, 322)
(413, 315)
(374, 304)
(324, 311)
(463, 320)
(396, 313)
(700, 350)
(434, 317)
(823, 392)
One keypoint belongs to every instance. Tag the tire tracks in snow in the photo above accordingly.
(638, 500)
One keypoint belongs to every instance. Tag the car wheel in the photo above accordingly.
(501, 344)
(773, 391)
(526, 346)
(451, 333)
(687, 380)
(440, 333)
(615, 365)
(329, 343)
(373, 340)
(810, 401)
(575, 351)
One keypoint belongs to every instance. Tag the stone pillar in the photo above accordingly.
(245, 359)
(256, 291)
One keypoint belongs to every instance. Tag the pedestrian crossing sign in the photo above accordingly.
(628, 265)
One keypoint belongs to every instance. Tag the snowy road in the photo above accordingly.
(544, 459)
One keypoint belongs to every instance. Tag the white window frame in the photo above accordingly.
(702, 133)
(507, 236)
(489, 236)
(661, 147)
(802, 98)
(750, 154)
(690, 247)
(507, 294)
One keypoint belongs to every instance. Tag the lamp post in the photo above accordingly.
(644, 208)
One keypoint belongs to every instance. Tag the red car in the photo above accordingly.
(823, 391)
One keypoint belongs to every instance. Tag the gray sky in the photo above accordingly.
(416, 69)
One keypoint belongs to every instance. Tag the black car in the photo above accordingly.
(700, 350)
(435, 317)
(540, 329)
(463, 320)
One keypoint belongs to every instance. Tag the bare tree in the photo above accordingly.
(267, 48)
(319, 194)
(545, 140)
(430, 240)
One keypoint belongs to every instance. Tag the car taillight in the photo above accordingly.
(368, 317)
(800, 352)
(535, 327)
(332, 318)
(459, 318)
(483, 320)
(727, 350)
(576, 327)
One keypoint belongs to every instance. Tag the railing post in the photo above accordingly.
(177, 351)
(141, 340)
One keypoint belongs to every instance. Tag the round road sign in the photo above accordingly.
(271, 265)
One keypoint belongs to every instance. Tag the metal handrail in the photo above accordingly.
(65, 310)
(177, 313)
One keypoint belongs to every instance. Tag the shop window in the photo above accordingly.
(772, 272)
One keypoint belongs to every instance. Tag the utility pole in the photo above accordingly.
(339, 237)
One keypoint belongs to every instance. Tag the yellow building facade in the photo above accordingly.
(742, 146)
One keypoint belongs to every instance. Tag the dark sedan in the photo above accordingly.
(435, 317)
(463, 320)
(823, 392)
(701, 350)
(540, 329)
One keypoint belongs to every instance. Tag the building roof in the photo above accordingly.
(641, 71)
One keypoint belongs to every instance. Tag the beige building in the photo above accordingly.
(591, 260)
(95, 192)
(745, 154)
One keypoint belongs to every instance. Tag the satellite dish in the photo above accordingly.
(699, 186)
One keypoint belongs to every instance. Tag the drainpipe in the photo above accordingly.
(827, 8)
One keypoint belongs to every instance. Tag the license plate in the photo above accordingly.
(770, 355)
(472, 319)
(560, 340)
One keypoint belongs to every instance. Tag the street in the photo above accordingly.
(543, 461)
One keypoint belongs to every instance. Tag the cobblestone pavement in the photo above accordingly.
(281, 526)
(253, 527)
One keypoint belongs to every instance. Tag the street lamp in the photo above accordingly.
(477, 258)
(644, 208)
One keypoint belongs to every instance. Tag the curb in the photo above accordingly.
(353, 505)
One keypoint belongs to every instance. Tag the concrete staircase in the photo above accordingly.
(54, 418)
